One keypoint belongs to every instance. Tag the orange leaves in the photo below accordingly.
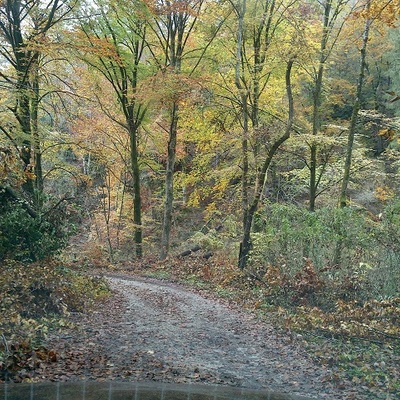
(307, 281)
(388, 133)
(169, 86)
(207, 273)
(34, 300)
(92, 45)
(386, 12)
(301, 286)
(372, 320)
(274, 277)
(384, 193)
(7, 160)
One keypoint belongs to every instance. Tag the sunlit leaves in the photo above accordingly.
(386, 12)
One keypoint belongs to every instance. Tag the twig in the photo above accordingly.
(327, 334)
(258, 278)
(5, 344)
(383, 333)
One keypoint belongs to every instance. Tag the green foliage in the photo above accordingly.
(209, 241)
(355, 254)
(27, 238)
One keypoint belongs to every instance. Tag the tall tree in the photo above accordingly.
(116, 42)
(243, 93)
(377, 11)
(24, 28)
(263, 22)
(246, 245)
(174, 24)
(356, 107)
(258, 25)
(332, 10)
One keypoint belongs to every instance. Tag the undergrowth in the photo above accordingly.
(36, 300)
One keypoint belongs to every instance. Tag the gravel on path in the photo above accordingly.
(152, 330)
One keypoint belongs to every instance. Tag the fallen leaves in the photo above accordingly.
(37, 299)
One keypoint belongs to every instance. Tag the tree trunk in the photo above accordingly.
(352, 130)
(19, 53)
(137, 197)
(245, 161)
(263, 33)
(169, 183)
(356, 109)
(241, 10)
(246, 245)
(22, 113)
(37, 152)
(316, 122)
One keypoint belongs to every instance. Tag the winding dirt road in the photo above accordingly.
(159, 331)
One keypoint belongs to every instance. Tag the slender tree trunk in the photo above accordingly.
(245, 161)
(177, 23)
(245, 246)
(22, 109)
(316, 122)
(37, 152)
(169, 183)
(352, 130)
(120, 204)
(137, 197)
(241, 10)
(313, 177)
(107, 215)
(356, 109)
(262, 33)
(23, 115)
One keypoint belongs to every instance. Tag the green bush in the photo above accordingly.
(355, 254)
(26, 238)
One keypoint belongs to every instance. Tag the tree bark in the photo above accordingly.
(37, 152)
(176, 24)
(356, 109)
(137, 197)
(169, 183)
(316, 122)
(246, 245)
(241, 10)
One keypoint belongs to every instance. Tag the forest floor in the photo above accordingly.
(155, 330)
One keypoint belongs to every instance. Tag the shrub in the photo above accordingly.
(353, 253)
(35, 299)
(25, 238)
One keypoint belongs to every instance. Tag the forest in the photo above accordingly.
(247, 147)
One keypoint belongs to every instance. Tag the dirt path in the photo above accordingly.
(153, 330)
